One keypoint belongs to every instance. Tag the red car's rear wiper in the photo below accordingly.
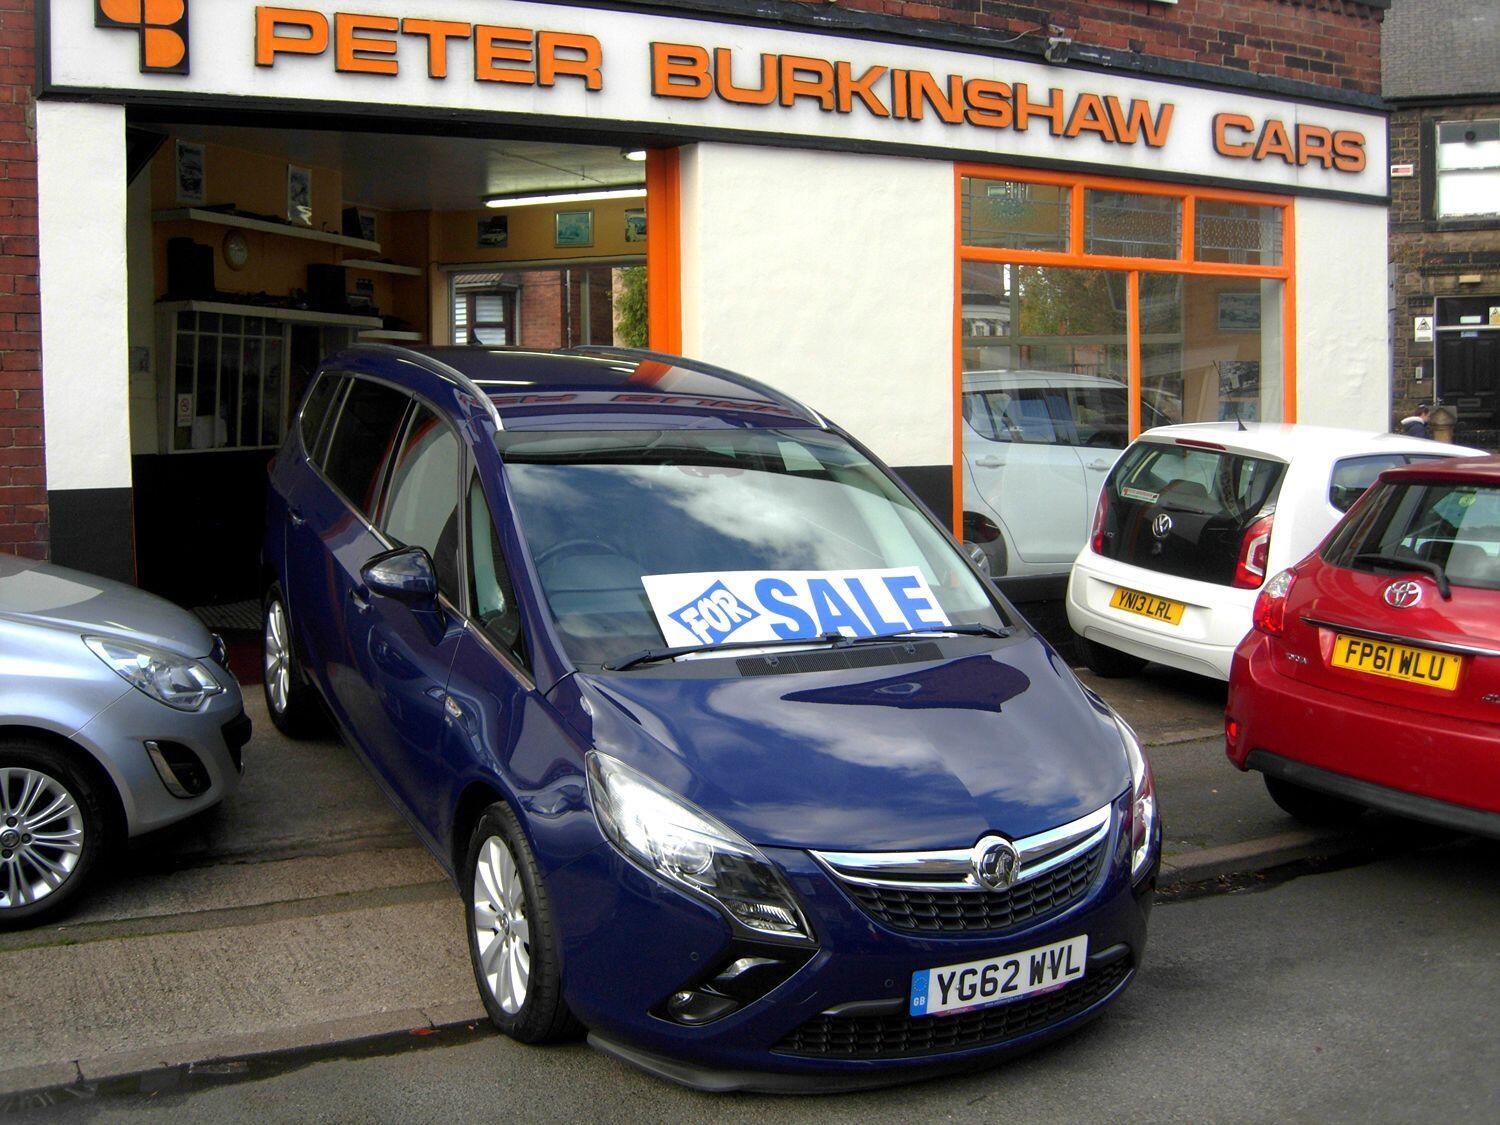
(1399, 562)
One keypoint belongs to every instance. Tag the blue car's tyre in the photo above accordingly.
(291, 701)
(512, 935)
(52, 826)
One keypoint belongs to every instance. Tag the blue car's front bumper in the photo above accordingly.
(840, 1019)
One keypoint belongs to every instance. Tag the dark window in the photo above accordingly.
(1455, 526)
(491, 595)
(421, 504)
(1353, 475)
(315, 410)
(362, 440)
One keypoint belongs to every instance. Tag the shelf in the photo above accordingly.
(271, 312)
(381, 267)
(391, 334)
(225, 219)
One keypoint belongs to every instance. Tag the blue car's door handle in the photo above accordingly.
(360, 598)
(297, 518)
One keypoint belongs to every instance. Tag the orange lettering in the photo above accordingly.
(491, 51)
(1349, 151)
(680, 70)
(437, 32)
(804, 77)
(359, 53)
(925, 90)
(744, 95)
(1052, 110)
(1223, 122)
(1139, 122)
(577, 56)
(849, 88)
(1275, 142)
(989, 103)
(1314, 143)
(270, 42)
(1089, 117)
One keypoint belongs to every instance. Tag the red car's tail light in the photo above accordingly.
(1101, 514)
(1255, 550)
(1270, 607)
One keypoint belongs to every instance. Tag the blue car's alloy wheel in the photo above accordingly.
(512, 941)
(289, 697)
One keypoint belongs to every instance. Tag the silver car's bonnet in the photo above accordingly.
(38, 592)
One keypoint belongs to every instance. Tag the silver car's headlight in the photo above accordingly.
(1142, 798)
(167, 677)
(669, 837)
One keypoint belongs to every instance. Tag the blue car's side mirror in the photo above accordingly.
(406, 574)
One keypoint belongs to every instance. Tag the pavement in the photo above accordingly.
(303, 914)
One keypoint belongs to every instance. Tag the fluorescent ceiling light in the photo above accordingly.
(635, 154)
(628, 191)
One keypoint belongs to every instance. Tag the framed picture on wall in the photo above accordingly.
(575, 228)
(192, 183)
(494, 231)
(299, 195)
(635, 224)
(1239, 311)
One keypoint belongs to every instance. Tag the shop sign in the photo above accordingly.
(598, 67)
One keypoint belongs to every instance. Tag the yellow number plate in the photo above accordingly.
(1397, 662)
(1147, 605)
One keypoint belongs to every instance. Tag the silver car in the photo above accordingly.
(118, 714)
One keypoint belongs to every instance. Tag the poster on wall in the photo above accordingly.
(191, 182)
(494, 231)
(635, 224)
(1239, 312)
(299, 195)
(575, 228)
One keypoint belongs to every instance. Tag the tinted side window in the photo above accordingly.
(320, 397)
(1353, 475)
(491, 595)
(362, 440)
(421, 505)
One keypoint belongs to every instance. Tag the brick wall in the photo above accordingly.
(1428, 255)
(1333, 43)
(23, 485)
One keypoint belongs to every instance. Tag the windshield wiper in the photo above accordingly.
(835, 640)
(1398, 562)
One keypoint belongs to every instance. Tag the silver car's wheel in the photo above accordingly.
(53, 821)
(502, 933)
(278, 665)
(41, 836)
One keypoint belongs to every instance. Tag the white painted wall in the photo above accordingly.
(828, 276)
(1343, 350)
(85, 336)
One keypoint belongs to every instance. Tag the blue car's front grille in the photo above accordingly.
(894, 1037)
(967, 911)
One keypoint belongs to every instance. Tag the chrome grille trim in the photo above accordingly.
(1399, 639)
(952, 870)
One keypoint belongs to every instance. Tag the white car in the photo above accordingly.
(1037, 447)
(1191, 521)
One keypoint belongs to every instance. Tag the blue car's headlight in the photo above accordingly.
(669, 837)
(178, 681)
(1142, 798)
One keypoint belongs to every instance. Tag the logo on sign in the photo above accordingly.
(714, 614)
(1403, 595)
(162, 26)
(995, 863)
(1161, 526)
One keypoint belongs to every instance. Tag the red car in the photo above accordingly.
(1371, 677)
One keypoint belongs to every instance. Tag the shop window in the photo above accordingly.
(1129, 225)
(1018, 216)
(1468, 168)
(228, 381)
(1243, 233)
(484, 311)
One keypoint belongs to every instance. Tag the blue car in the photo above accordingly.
(736, 760)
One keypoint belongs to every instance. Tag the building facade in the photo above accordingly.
(1443, 80)
(908, 215)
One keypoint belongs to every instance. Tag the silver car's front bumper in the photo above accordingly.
(117, 738)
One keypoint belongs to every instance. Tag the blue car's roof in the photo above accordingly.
(616, 388)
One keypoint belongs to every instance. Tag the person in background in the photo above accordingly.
(1415, 425)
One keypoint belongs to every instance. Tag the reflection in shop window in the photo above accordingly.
(1015, 216)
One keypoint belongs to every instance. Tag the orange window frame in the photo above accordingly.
(1074, 257)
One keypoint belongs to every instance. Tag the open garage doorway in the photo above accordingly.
(256, 252)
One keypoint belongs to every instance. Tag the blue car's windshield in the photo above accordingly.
(647, 539)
